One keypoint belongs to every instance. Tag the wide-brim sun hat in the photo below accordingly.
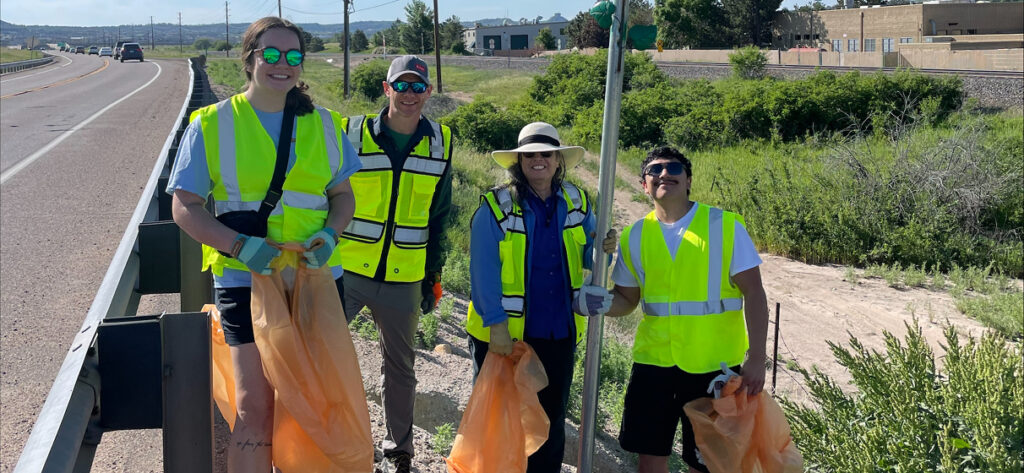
(538, 137)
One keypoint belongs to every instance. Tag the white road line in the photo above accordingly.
(41, 72)
(38, 154)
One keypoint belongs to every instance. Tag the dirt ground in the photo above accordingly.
(817, 304)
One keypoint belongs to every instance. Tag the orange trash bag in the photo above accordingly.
(737, 433)
(223, 371)
(504, 422)
(321, 422)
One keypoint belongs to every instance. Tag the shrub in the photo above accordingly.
(906, 416)
(368, 76)
(748, 63)
(485, 127)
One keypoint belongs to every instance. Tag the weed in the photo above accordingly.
(427, 334)
(1003, 312)
(445, 308)
(915, 276)
(363, 327)
(938, 279)
(850, 275)
(443, 438)
(909, 417)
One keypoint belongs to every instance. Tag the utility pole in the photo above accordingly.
(152, 37)
(180, 47)
(279, 15)
(118, 33)
(437, 50)
(346, 38)
(226, 38)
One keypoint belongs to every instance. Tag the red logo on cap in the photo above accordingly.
(421, 68)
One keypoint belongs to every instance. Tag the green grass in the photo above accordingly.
(15, 55)
(164, 51)
(1003, 312)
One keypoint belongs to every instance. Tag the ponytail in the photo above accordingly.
(298, 100)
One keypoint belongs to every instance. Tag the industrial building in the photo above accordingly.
(885, 28)
(515, 36)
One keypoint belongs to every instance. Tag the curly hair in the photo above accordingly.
(297, 99)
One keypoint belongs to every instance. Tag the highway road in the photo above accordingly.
(78, 140)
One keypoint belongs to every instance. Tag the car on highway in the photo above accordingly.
(94, 50)
(79, 49)
(117, 49)
(106, 51)
(131, 51)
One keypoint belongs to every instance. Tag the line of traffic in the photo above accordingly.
(9, 173)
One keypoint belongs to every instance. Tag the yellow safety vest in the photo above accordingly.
(512, 250)
(391, 224)
(240, 156)
(693, 313)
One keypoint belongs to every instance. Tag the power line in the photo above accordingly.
(314, 13)
(375, 6)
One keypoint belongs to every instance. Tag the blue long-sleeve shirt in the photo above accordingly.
(548, 313)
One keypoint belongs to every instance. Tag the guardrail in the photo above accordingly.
(125, 371)
(21, 65)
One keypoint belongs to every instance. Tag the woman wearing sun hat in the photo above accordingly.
(530, 241)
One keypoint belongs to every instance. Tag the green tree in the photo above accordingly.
(750, 20)
(450, 35)
(339, 38)
(418, 32)
(222, 45)
(202, 44)
(313, 43)
(748, 63)
(546, 40)
(691, 23)
(641, 12)
(584, 32)
(359, 41)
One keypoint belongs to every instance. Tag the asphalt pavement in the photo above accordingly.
(75, 154)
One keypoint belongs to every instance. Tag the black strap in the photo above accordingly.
(284, 143)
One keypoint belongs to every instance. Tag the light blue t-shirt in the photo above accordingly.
(191, 174)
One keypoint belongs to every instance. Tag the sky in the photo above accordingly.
(127, 12)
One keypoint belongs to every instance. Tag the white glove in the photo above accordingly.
(592, 300)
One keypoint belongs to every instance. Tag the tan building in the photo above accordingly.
(882, 29)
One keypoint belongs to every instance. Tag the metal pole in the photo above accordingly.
(279, 15)
(152, 36)
(437, 50)
(346, 37)
(775, 357)
(180, 47)
(606, 179)
(226, 38)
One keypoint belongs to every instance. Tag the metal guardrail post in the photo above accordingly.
(187, 382)
(22, 65)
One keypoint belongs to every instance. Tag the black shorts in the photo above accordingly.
(654, 406)
(233, 303)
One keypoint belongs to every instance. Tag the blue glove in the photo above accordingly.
(320, 247)
(592, 300)
(256, 254)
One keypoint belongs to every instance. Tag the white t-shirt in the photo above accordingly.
(744, 254)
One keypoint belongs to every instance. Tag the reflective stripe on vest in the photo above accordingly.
(512, 250)
(241, 185)
(392, 206)
(693, 315)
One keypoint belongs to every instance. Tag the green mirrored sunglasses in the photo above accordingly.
(271, 55)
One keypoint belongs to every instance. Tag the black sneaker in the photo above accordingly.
(400, 462)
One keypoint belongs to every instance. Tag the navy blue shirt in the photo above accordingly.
(547, 302)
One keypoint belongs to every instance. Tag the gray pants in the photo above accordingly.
(395, 310)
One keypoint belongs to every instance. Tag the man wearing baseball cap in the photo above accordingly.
(392, 250)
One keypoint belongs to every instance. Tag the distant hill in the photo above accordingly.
(162, 33)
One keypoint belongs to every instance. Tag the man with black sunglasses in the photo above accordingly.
(695, 270)
(392, 251)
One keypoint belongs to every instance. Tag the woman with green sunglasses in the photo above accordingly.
(230, 151)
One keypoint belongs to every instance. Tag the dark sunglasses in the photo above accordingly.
(674, 168)
(543, 154)
(272, 55)
(403, 86)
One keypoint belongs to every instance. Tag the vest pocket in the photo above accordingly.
(370, 189)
